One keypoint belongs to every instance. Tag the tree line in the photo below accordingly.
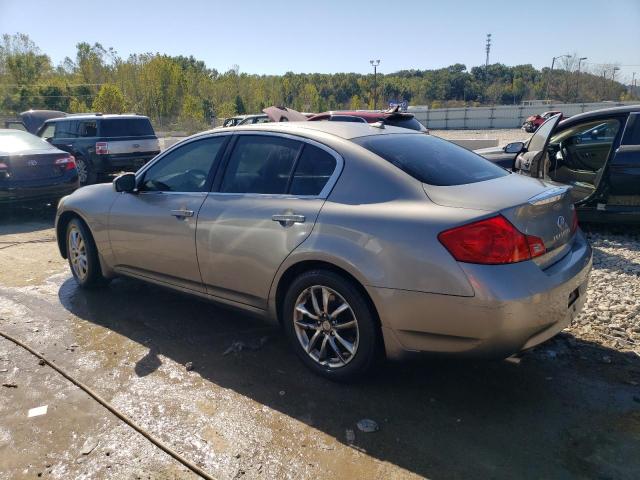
(180, 90)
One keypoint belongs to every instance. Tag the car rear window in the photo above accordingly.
(12, 141)
(411, 123)
(125, 127)
(431, 160)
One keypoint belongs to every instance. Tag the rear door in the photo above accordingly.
(624, 169)
(153, 231)
(531, 162)
(265, 204)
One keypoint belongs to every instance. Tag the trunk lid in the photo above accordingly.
(32, 166)
(533, 206)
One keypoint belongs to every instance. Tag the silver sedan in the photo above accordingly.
(361, 240)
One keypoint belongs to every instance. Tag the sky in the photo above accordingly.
(327, 36)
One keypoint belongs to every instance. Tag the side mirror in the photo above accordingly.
(514, 147)
(125, 183)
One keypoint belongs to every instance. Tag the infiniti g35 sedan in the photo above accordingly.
(361, 240)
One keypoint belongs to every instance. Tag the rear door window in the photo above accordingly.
(260, 164)
(88, 128)
(431, 160)
(313, 170)
(125, 127)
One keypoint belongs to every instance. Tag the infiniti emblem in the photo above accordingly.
(562, 223)
(32, 163)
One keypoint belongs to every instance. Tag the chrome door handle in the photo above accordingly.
(182, 213)
(288, 219)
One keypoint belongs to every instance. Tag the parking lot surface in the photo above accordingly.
(248, 409)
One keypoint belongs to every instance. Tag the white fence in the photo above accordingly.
(502, 116)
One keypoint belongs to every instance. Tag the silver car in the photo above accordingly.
(362, 240)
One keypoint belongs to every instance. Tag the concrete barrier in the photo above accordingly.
(474, 143)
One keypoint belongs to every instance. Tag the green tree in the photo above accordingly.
(226, 110)
(109, 100)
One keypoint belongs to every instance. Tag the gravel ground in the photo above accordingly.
(611, 314)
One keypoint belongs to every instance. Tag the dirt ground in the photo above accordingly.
(561, 411)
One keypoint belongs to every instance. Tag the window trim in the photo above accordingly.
(324, 193)
(217, 162)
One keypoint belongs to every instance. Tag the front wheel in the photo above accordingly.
(83, 255)
(330, 326)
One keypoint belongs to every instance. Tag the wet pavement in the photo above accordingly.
(558, 412)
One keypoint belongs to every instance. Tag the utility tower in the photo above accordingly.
(488, 49)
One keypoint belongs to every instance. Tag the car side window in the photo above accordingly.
(65, 129)
(88, 129)
(313, 171)
(260, 164)
(586, 146)
(48, 131)
(184, 169)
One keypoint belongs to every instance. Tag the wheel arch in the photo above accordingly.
(61, 229)
(292, 271)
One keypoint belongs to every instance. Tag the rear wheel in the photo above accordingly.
(330, 325)
(86, 172)
(83, 255)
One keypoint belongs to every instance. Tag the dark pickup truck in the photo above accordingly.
(103, 144)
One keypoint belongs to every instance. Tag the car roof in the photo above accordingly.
(345, 130)
(595, 114)
(93, 116)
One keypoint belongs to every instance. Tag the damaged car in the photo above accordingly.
(596, 153)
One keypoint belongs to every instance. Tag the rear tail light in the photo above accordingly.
(574, 221)
(102, 148)
(3, 166)
(67, 163)
(493, 241)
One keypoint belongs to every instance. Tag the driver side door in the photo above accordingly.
(152, 231)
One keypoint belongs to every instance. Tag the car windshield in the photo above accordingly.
(431, 160)
(12, 141)
(125, 127)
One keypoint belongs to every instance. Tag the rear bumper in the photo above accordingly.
(41, 190)
(117, 163)
(515, 307)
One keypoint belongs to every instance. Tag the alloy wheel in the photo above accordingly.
(78, 253)
(83, 172)
(326, 326)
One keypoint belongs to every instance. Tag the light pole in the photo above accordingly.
(374, 64)
(578, 79)
(613, 77)
(553, 62)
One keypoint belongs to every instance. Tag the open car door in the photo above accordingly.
(532, 159)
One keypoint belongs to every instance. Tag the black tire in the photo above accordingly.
(367, 350)
(86, 173)
(89, 275)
